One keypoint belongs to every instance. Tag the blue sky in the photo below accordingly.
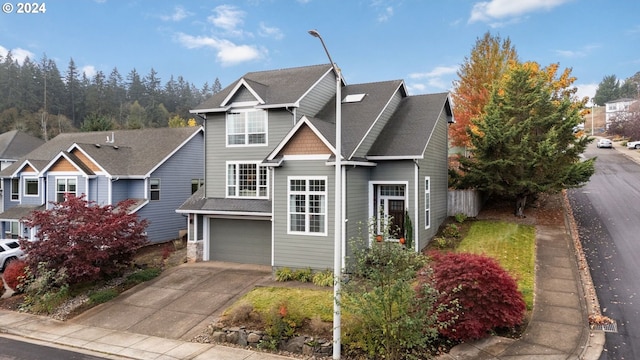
(421, 41)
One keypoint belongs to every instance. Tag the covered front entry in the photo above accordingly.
(241, 241)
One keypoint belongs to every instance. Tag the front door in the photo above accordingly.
(391, 210)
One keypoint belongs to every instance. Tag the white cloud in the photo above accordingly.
(17, 54)
(386, 14)
(586, 90)
(270, 32)
(228, 18)
(228, 53)
(89, 70)
(487, 11)
(179, 13)
(435, 73)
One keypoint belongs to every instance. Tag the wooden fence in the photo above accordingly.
(468, 202)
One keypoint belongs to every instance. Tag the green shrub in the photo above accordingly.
(451, 231)
(323, 278)
(284, 274)
(383, 307)
(460, 217)
(280, 323)
(103, 296)
(303, 275)
(44, 290)
(441, 242)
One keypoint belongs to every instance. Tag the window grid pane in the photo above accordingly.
(307, 205)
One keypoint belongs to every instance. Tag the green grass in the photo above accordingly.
(308, 302)
(512, 245)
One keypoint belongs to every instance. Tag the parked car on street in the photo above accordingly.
(633, 145)
(604, 143)
(10, 250)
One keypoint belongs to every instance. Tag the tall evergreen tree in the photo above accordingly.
(608, 90)
(524, 143)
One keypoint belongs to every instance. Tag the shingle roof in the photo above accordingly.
(15, 144)
(358, 117)
(408, 130)
(285, 86)
(198, 203)
(132, 153)
(20, 211)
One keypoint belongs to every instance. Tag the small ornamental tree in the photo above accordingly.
(88, 240)
(487, 295)
(14, 274)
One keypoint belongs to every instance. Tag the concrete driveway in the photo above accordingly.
(181, 302)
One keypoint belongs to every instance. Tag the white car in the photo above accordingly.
(633, 145)
(604, 143)
(9, 250)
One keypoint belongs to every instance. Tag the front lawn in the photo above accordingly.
(512, 245)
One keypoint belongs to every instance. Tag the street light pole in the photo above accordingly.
(337, 250)
(593, 108)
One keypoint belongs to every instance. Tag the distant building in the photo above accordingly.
(617, 109)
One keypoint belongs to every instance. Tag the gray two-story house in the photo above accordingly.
(270, 165)
(158, 168)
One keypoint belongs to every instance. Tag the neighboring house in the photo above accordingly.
(270, 162)
(158, 168)
(617, 109)
(14, 145)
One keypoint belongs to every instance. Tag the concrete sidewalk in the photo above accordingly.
(113, 344)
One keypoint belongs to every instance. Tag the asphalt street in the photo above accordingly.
(606, 210)
(12, 349)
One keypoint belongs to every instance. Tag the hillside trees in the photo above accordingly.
(487, 63)
(611, 89)
(523, 143)
(72, 96)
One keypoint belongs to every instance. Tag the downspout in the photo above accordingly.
(416, 222)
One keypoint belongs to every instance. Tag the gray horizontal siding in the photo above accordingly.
(324, 91)
(302, 251)
(175, 188)
(217, 154)
(435, 166)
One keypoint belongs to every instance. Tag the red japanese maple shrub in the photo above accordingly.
(88, 240)
(487, 295)
(14, 273)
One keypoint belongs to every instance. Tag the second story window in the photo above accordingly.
(247, 128)
(196, 184)
(154, 186)
(15, 189)
(246, 180)
(65, 186)
(31, 186)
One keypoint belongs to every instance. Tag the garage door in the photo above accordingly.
(241, 241)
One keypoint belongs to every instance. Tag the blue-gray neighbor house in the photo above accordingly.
(268, 196)
(158, 168)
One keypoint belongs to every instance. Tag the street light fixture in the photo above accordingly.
(337, 249)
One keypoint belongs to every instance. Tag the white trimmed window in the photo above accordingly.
(307, 205)
(247, 180)
(65, 186)
(15, 189)
(427, 202)
(31, 186)
(246, 127)
(154, 189)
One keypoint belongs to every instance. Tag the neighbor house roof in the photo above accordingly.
(133, 153)
(15, 144)
(274, 87)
